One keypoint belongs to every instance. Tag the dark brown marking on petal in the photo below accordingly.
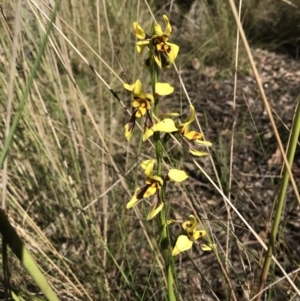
(157, 40)
(159, 201)
(131, 126)
(196, 136)
(188, 225)
(140, 193)
(148, 121)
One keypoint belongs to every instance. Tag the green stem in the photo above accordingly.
(171, 284)
(156, 136)
(162, 218)
(290, 157)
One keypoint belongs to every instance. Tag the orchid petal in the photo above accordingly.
(148, 166)
(172, 55)
(129, 130)
(149, 98)
(163, 89)
(183, 243)
(183, 127)
(166, 126)
(155, 178)
(139, 32)
(208, 247)
(129, 87)
(191, 118)
(190, 225)
(157, 30)
(202, 142)
(167, 115)
(140, 112)
(134, 200)
(149, 192)
(138, 88)
(140, 46)
(198, 233)
(155, 209)
(135, 88)
(177, 175)
(198, 153)
(157, 59)
(168, 26)
(148, 133)
(193, 135)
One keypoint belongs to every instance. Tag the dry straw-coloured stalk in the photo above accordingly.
(10, 236)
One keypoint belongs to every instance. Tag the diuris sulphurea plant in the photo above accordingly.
(157, 125)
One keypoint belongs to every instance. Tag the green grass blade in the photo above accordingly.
(14, 241)
(290, 157)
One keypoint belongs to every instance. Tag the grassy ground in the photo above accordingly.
(70, 171)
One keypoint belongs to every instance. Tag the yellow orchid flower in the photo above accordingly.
(185, 241)
(190, 228)
(142, 104)
(141, 100)
(193, 136)
(164, 52)
(140, 33)
(153, 186)
(183, 129)
(167, 125)
(146, 39)
(153, 182)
